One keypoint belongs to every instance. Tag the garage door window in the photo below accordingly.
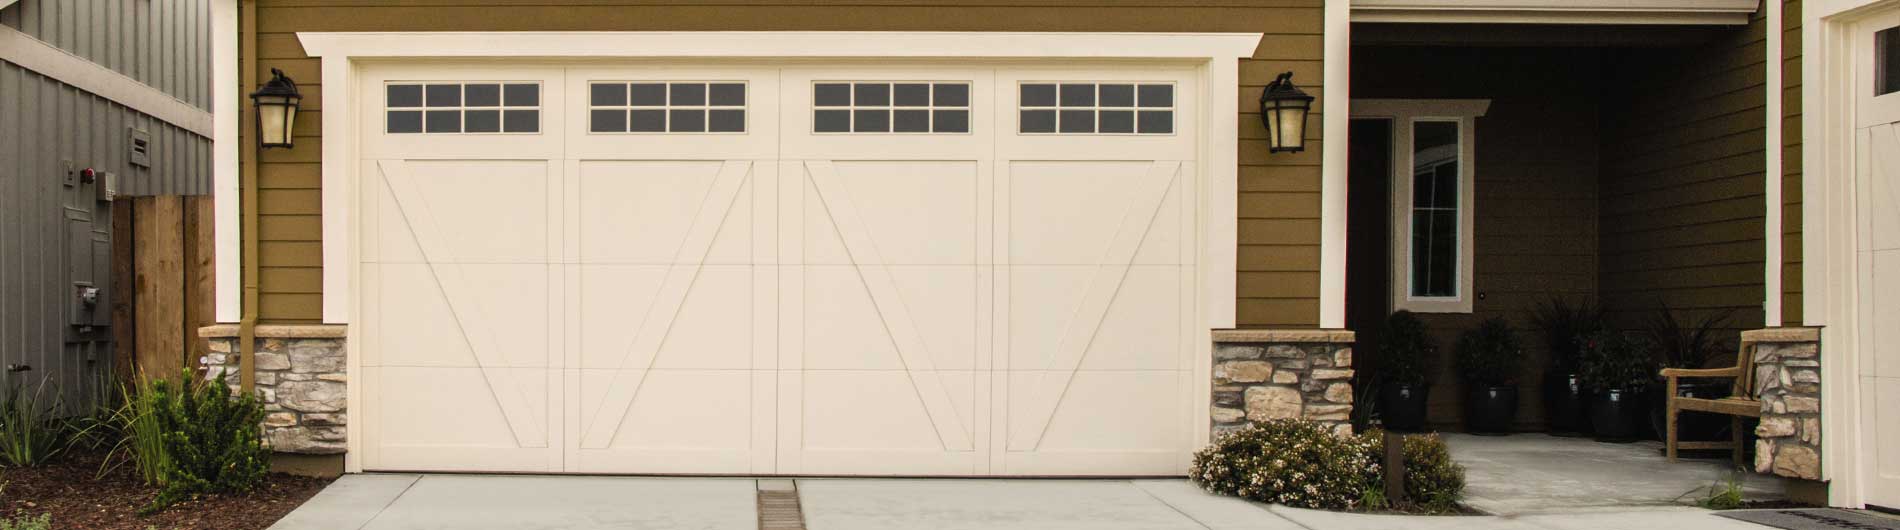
(1095, 108)
(890, 107)
(462, 108)
(666, 107)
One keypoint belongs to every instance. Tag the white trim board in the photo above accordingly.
(225, 99)
(1642, 12)
(1336, 124)
(1829, 218)
(50, 61)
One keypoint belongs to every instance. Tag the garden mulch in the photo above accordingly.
(70, 489)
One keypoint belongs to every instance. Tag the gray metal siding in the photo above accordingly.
(50, 234)
(163, 43)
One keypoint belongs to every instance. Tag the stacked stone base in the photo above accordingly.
(1270, 374)
(301, 379)
(1788, 383)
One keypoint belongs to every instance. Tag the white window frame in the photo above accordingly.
(1404, 114)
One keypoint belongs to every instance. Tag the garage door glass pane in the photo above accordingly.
(1095, 108)
(461, 108)
(666, 107)
(1887, 61)
(909, 107)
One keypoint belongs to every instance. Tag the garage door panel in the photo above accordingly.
(471, 211)
(1102, 410)
(464, 409)
(939, 301)
(836, 404)
(1071, 212)
(913, 212)
(508, 303)
(642, 212)
(1138, 331)
(712, 328)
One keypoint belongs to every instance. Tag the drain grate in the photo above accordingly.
(1815, 519)
(778, 506)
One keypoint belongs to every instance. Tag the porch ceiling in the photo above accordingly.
(1663, 12)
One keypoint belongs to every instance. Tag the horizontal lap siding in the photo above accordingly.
(1682, 198)
(1791, 310)
(1279, 194)
(1536, 187)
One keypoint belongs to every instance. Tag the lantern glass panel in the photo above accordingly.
(1292, 122)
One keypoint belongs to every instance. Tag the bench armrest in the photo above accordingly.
(1703, 372)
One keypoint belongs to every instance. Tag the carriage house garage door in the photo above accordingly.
(939, 269)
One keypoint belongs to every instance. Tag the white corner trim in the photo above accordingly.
(1218, 53)
(1336, 122)
(1404, 113)
(224, 161)
(50, 61)
(1771, 151)
(1642, 12)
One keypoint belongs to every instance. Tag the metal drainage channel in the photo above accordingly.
(778, 505)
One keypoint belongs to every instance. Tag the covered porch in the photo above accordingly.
(1498, 167)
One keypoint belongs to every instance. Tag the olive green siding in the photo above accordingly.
(1535, 183)
(1278, 203)
(1683, 190)
(1791, 310)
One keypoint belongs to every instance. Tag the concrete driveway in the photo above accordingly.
(471, 502)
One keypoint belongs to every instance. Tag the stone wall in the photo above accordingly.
(1788, 383)
(1270, 374)
(300, 378)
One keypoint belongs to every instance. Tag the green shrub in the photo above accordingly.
(1618, 360)
(1489, 355)
(1291, 462)
(1405, 350)
(31, 431)
(1561, 322)
(1690, 343)
(1433, 482)
(22, 521)
(210, 438)
(139, 441)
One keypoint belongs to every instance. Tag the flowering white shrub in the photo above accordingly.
(1291, 462)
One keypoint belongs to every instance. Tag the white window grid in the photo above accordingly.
(667, 110)
(501, 107)
(930, 110)
(1174, 97)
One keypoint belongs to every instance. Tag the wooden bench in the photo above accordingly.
(1740, 404)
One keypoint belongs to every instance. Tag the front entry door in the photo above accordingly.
(1877, 251)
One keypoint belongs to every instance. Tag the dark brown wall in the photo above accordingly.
(1279, 194)
(1682, 194)
(1536, 184)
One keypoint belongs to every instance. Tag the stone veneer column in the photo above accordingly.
(300, 379)
(1262, 374)
(1788, 383)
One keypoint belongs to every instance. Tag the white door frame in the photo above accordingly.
(1215, 55)
(1830, 292)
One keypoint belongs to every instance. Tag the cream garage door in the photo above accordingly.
(945, 269)
(1877, 252)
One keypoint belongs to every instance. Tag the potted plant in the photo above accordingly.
(1561, 322)
(1405, 357)
(1489, 358)
(1692, 343)
(1618, 366)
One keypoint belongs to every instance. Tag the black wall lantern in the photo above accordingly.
(1283, 110)
(276, 104)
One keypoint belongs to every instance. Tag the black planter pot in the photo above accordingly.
(1490, 409)
(1402, 406)
(1691, 426)
(1566, 404)
(1615, 414)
